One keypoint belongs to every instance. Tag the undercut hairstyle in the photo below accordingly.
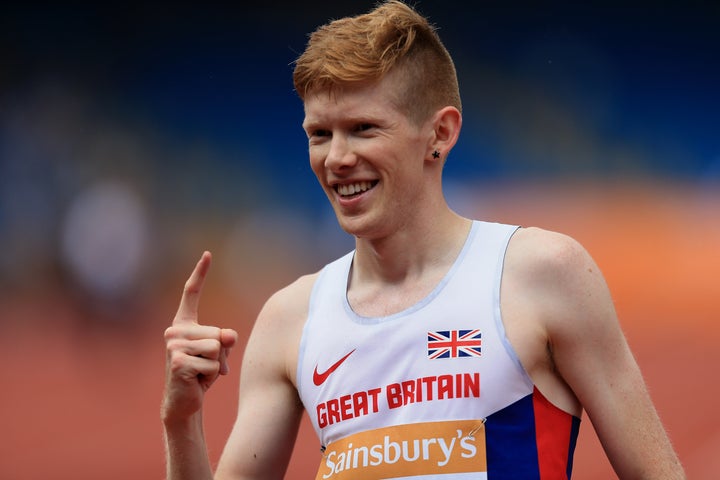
(363, 49)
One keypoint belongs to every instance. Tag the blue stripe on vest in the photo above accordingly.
(510, 442)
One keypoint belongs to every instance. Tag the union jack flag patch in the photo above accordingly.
(454, 344)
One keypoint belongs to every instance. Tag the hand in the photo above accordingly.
(196, 354)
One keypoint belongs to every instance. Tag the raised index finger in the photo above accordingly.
(190, 300)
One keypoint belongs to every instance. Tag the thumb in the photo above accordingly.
(228, 337)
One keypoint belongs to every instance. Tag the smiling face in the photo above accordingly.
(368, 156)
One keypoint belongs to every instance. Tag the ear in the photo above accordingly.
(447, 123)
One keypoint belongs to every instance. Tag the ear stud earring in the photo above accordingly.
(436, 154)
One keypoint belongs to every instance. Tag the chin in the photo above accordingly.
(351, 228)
(361, 227)
(351, 225)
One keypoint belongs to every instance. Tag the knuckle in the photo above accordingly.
(172, 345)
(177, 363)
(189, 288)
(170, 333)
(216, 348)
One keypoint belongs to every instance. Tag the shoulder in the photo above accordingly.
(290, 301)
(275, 337)
(547, 258)
(557, 274)
(546, 250)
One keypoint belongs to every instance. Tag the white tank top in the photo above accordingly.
(408, 395)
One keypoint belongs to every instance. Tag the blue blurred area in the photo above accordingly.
(190, 108)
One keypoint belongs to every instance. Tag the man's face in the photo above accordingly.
(367, 155)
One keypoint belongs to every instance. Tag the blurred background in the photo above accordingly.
(135, 136)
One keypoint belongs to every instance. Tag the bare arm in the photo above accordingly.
(591, 354)
(269, 409)
(196, 356)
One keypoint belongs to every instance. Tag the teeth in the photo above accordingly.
(353, 188)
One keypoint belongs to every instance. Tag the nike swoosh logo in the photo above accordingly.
(319, 378)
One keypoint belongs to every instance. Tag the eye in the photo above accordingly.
(363, 127)
(318, 132)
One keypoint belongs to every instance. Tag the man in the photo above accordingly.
(440, 347)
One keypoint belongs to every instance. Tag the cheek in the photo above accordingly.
(316, 161)
(317, 165)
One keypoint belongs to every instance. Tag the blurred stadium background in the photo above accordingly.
(134, 136)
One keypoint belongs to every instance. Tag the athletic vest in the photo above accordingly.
(432, 392)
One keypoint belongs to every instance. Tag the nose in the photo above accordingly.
(340, 155)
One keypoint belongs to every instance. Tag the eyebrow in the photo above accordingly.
(307, 124)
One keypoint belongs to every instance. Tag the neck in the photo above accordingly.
(391, 274)
(411, 252)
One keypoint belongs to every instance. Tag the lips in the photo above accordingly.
(354, 188)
